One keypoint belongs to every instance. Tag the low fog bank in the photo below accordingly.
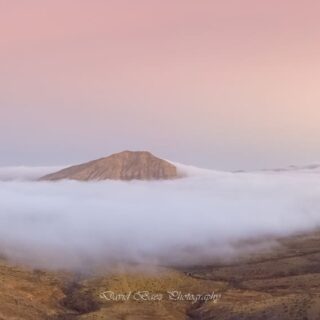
(23, 173)
(193, 220)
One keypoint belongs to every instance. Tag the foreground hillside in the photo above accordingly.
(283, 284)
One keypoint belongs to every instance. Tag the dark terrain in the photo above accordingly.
(282, 284)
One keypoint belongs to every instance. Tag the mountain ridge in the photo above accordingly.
(124, 165)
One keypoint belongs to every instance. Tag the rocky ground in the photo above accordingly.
(282, 284)
(125, 165)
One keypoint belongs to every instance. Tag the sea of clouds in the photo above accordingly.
(201, 218)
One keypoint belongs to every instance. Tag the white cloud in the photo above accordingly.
(24, 173)
(205, 216)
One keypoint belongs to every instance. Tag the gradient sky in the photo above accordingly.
(228, 84)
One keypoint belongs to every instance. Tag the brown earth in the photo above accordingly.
(282, 284)
(126, 165)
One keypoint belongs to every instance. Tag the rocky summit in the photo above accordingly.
(126, 165)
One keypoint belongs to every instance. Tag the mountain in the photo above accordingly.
(126, 165)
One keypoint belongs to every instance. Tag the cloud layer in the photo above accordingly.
(205, 216)
(23, 173)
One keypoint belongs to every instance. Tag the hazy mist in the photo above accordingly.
(202, 217)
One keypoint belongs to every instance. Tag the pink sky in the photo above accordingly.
(222, 84)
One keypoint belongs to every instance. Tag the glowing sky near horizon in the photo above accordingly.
(220, 84)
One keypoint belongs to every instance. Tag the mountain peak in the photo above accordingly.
(125, 165)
